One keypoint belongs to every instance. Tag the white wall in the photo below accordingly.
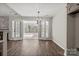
(60, 27)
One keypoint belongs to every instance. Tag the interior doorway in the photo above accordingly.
(30, 29)
(34, 29)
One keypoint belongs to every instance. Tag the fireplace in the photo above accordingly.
(1, 49)
(1, 43)
(1, 35)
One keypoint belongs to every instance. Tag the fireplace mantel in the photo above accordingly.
(4, 30)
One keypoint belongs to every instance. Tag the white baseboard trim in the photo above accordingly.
(61, 47)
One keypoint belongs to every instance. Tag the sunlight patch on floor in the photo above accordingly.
(30, 36)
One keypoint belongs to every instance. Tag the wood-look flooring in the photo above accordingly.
(34, 48)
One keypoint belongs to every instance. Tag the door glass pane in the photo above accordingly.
(12, 28)
(15, 29)
(42, 29)
(47, 29)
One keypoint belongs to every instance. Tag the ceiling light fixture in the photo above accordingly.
(38, 17)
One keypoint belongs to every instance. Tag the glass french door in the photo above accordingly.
(43, 29)
(16, 29)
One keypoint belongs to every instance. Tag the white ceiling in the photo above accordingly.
(30, 9)
(5, 10)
